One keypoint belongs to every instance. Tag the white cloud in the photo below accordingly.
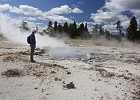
(136, 13)
(123, 5)
(110, 27)
(77, 10)
(31, 19)
(71, 17)
(39, 23)
(28, 10)
(114, 10)
(58, 18)
(104, 17)
(15, 10)
(65, 9)
(5, 7)
(82, 3)
(74, 6)
(53, 14)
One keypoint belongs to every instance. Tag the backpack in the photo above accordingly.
(28, 39)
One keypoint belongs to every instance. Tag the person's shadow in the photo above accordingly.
(42, 63)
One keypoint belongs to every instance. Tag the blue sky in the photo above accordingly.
(104, 12)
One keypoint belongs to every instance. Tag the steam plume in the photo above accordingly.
(9, 27)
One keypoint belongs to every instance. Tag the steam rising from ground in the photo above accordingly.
(10, 29)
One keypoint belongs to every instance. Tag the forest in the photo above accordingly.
(73, 31)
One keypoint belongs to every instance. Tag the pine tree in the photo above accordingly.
(59, 28)
(72, 31)
(50, 28)
(95, 31)
(107, 34)
(87, 34)
(132, 33)
(81, 30)
(119, 27)
(65, 27)
(86, 29)
(101, 31)
(55, 26)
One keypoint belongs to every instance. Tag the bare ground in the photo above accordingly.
(115, 78)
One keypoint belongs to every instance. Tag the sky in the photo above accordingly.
(40, 12)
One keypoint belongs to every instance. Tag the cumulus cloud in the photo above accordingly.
(65, 9)
(77, 10)
(15, 10)
(110, 27)
(5, 7)
(58, 18)
(29, 10)
(31, 19)
(104, 17)
(136, 12)
(123, 5)
(39, 23)
(53, 14)
(114, 10)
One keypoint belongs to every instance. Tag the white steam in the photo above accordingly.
(9, 27)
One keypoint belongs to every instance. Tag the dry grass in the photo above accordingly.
(79, 42)
(15, 57)
(98, 65)
(44, 70)
(12, 73)
(9, 58)
(53, 72)
(2, 54)
(126, 77)
(99, 42)
(96, 42)
(57, 79)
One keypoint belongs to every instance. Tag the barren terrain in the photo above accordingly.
(99, 71)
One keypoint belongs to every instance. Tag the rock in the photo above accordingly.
(69, 86)
(36, 88)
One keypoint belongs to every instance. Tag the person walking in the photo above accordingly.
(33, 45)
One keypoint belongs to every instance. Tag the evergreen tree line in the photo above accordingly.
(71, 30)
(74, 32)
(132, 32)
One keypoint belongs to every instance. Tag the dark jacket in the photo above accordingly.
(32, 39)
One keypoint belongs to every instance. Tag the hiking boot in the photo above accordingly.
(33, 61)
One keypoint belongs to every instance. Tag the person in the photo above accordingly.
(33, 45)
